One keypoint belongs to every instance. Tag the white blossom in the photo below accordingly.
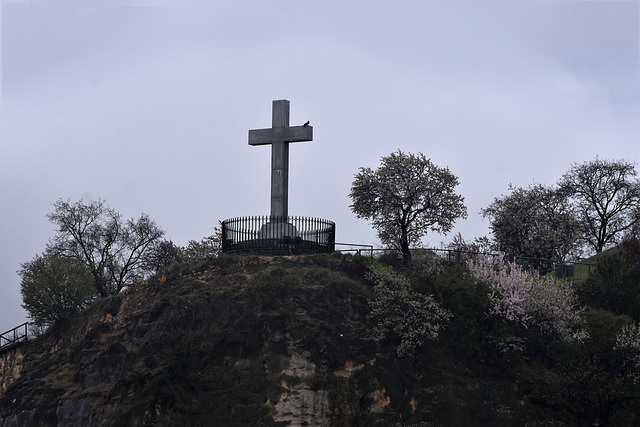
(544, 303)
(628, 344)
(414, 317)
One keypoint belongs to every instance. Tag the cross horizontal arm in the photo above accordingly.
(291, 134)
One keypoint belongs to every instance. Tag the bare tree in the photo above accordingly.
(406, 197)
(97, 236)
(607, 199)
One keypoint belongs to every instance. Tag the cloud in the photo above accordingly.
(149, 107)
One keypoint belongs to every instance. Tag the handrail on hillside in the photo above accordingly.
(369, 248)
(561, 269)
(13, 336)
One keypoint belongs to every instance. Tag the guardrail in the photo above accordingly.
(13, 336)
(278, 235)
(569, 270)
(360, 248)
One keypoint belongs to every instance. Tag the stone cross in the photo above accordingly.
(279, 137)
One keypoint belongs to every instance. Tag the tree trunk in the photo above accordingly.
(404, 246)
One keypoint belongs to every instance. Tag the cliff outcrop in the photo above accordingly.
(239, 341)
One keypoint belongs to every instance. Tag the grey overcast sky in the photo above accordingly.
(147, 104)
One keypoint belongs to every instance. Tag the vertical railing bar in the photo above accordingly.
(292, 233)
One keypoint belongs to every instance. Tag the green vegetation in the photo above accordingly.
(411, 317)
(54, 289)
(92, 237)
(186, 336)
(614, 284)
(383, 341)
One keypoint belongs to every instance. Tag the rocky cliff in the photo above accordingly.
(245, 341)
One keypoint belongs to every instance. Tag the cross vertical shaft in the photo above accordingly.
(280, 161)
(279, 137)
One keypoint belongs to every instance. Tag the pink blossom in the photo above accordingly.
(547, 304)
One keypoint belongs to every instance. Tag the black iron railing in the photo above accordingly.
(294, 235)
(570, 270)
(13, 336)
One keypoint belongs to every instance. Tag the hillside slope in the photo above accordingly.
(249, 341)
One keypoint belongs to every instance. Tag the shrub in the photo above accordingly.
(546, 308)
(468, 302)
(509, 286)
(412, 317)
(603, 326)
(615, 283)
(628, 345)
(53, 288)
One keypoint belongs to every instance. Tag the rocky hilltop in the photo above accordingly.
(250, 341)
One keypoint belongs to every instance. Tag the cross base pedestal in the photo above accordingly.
(278, 230)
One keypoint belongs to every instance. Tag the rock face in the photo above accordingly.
(10, 368)
(244, 341)
(237, 341)
(299, 403)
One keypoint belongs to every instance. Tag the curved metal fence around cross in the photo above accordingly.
(278, 235)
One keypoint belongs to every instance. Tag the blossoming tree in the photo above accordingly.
(540, 304)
